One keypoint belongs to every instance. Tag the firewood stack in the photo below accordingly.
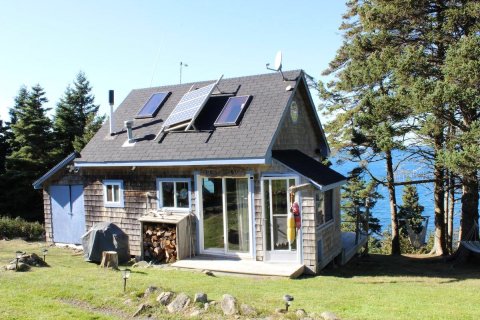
(160, 242)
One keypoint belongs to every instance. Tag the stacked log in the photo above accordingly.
(160, 242)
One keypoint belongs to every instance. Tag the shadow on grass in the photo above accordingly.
(407, 266)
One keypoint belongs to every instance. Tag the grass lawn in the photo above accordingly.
(379, 287)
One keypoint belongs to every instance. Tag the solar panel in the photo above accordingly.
(189, 107)
(152, 106)
(232, 111)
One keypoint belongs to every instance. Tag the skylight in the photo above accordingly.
(151, 108)
(232, 111)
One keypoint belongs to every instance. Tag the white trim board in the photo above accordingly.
(172, 163)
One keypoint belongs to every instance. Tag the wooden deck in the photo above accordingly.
(349, 248)
(239, 266)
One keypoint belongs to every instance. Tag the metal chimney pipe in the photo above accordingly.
(111, 102)
(128, 125)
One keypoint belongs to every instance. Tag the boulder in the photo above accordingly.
(141, 309)
(327, 315)
(178, 304)
(200, 297)
(149, 291)
(300, 313)
(229, 305)
(196, 312)
(164, 298)
(248, 310)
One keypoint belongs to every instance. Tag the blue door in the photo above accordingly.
(68, 213)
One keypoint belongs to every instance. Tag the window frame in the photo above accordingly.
(159, 183)
(324, 207)
(121, 200)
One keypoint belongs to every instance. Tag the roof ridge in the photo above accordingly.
(299, 71)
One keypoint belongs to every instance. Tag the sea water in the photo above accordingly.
(412, 170)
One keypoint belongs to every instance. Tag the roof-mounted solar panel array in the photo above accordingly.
(233, 111)
(188, 108)
(153, 105)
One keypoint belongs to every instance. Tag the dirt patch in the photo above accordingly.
(106, 311)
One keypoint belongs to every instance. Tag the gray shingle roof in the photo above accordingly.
(251, 139)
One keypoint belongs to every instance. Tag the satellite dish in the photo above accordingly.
(278, 61)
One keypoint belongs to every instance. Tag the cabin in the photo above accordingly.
(219, 162)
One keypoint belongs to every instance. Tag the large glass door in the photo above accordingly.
(276, 207)
(226, 223)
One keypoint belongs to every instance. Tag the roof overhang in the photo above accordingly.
(319, 175)
(172, 163)
(38, 183)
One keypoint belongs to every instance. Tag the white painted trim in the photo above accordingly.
(251, 216)
(179, 163)
(220, 251)
(174, 180)
(281, 255)
(121, 200)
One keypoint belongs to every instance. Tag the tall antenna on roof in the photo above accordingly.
(181, 66)
(278, 64)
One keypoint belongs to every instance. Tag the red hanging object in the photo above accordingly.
(295, 209)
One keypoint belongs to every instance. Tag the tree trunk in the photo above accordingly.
(393, 204)
(469, 207)
(450, 210)
(440, 245)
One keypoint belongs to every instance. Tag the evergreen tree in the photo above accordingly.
(31, 157)
(411, 210)
(4, 148)
(76, 117)
(400, 49)
(358, 200)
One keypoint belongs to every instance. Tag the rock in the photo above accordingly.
(164, 298)
(22, 267)
(10, 266)
(179, 303)
(149, 291)
(200, 297)
(127, 302)
(300, 313)
(141, 309)
(229, 305)
(247, 310)
(327, 315)
(196, 312)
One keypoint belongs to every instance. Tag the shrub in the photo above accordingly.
(19, 228)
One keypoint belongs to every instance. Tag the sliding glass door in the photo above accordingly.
(226, 223)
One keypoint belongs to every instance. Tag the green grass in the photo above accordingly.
(379, 287)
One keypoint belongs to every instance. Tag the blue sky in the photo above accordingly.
(123, 45)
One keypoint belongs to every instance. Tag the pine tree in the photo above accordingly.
(411, 210)
(4, 147)
(31, 157)
(358, 200)
(76, 117)
(399, 49)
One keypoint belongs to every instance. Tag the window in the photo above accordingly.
(323, 206)
(152, 106)
(113, 193)
(173, 193)
(232, 111)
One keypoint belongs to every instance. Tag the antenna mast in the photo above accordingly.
(181, 66)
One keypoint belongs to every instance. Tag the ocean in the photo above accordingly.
(408, 169)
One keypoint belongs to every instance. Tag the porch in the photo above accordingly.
(241, 266)
(351, 243)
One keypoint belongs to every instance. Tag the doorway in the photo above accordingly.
(276, 205)
(68, 213)
(226, 215)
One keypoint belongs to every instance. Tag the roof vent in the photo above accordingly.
(128, 124)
